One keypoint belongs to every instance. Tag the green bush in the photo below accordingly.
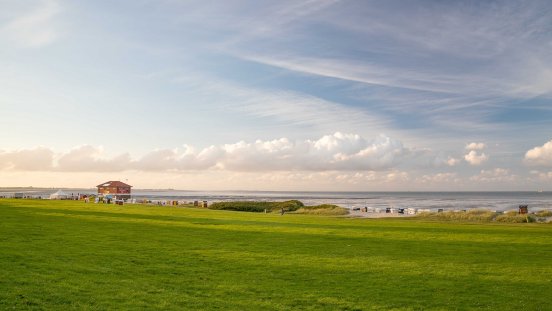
(257, 206)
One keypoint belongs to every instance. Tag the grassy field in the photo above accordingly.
(71, 255)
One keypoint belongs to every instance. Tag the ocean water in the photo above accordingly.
(499, 201)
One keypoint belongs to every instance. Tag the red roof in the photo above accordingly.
(114, 183)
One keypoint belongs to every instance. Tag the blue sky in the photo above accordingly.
(277, 95)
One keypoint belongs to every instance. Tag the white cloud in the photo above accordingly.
(474, 158)
(187, 159)
(495, 175)
(331, 152)
(35, 27)
(37, 159)
(439, 178)
(475, 146)
(336, 152)
(540, 155)
(452, 161)
(88, 158)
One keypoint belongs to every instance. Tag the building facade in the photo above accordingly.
(115, 189)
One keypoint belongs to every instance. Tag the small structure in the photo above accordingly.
(523, 209)
(18, 195)
(114, 189)
(59, 195)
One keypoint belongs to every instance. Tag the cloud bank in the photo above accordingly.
(495, 175)
(37, 159)
(338, 151)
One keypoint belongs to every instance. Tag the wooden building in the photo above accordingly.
(115, 189)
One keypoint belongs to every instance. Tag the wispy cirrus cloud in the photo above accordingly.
(34, 25)
(279, 105)
(460, 69)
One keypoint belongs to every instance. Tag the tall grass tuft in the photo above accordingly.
(324, 209)
(477, 215)
(526, 218)
(544, 213)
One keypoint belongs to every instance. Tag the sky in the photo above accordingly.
(323, 95)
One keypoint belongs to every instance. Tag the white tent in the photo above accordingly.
(59, 195)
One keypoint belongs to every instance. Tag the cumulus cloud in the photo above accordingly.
(452, 161)
(474, 158)
(475, 146)
(37, 159)
(540, 155)
(338, 151)
(186, 159)
(335, 152)
(87, 158)
(495, 175)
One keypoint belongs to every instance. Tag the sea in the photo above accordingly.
(498, 201)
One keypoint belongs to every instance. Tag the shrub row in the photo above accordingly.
(257, 207)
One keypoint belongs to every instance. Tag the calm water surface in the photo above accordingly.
(431, 200)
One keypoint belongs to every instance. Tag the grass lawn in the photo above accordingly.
(72, 255)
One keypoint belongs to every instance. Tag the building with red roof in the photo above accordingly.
(115, 189)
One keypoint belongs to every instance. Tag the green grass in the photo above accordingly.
(71, 255)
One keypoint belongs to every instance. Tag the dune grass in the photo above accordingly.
(544, 213)
(257, 206)
(71, 255)
(482, 215)
(323, 210)
(477, 215)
